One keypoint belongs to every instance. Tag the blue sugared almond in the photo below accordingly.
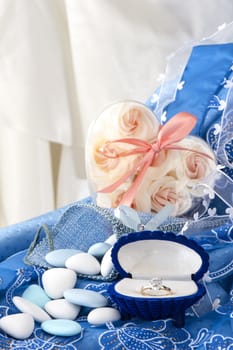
(84, 297)
(61, 327)
(58, 257)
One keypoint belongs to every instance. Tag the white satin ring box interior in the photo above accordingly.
(174, 260)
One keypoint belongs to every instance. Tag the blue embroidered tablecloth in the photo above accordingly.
(211, 331)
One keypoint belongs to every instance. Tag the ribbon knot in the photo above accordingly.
(175, 130)
(156, 147)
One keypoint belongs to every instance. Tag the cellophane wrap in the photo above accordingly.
(147, 165)
(198, 81)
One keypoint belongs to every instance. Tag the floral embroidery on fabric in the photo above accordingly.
(22, 276)
(159, 335)
(219, 342)
(40, 340)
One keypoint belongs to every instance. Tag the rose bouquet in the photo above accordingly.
(135, 161)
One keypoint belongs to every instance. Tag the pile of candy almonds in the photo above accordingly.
(58, 303)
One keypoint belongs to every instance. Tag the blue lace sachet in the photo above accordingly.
(82, 225)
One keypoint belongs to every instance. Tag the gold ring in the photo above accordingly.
(156, 288)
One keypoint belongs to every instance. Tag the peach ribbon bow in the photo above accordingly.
(175, 130)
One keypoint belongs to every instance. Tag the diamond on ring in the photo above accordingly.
(156, 288)
(156, 282)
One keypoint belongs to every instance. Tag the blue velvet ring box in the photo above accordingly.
(177, 260)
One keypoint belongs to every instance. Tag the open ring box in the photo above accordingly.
(178, 261)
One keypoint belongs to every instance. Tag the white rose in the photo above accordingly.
(125, 119)
(137, 121)
(111, 200)
(106, 168)
(155, 193)
(196, 168)
(166, 162)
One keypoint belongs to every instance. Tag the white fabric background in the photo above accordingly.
(61, 63)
